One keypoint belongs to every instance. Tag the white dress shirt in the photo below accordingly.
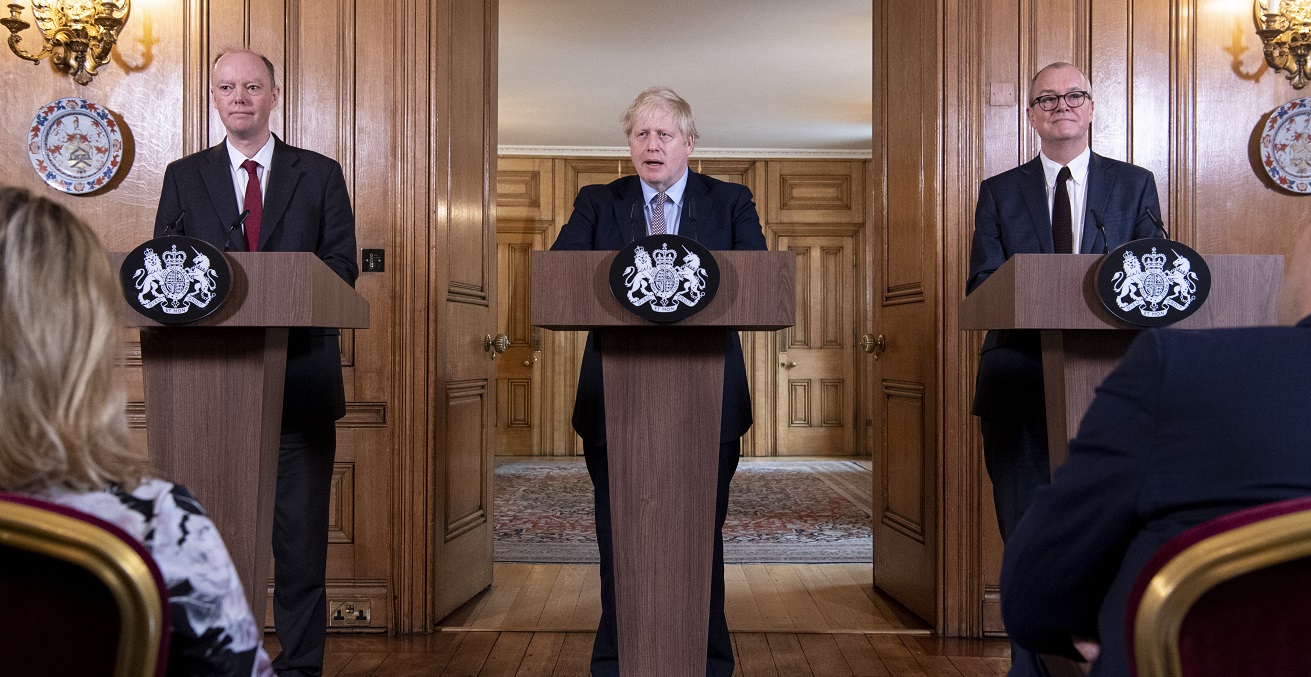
(1077, 187)
(239, 177)
(673, 207)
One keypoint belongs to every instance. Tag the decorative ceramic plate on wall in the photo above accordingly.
(75, 145)
(1286, 146)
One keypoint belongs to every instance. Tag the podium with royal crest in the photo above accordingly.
(1082, 340)
(663, 385)
(213, 387)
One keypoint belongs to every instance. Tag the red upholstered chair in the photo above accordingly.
(1231, 596)
(80, 596)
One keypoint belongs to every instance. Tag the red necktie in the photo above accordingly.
(254, 203)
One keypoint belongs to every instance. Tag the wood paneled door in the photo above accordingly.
(816, 361)
(904, 295)
(816, 209)
(518, 369)
(462, 191)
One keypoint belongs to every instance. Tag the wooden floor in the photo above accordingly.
(820, 620)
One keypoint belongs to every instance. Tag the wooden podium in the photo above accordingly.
(663, 393)
(1081, 341)
(214, 393)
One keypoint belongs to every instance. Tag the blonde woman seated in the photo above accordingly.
(64, 436)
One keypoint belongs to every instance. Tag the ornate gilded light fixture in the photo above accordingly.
(79, 34)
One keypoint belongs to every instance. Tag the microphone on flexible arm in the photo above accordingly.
(691, 215)
(240, 223)
(1160, 225)
(1101, 228)
(633, 223)
(178, 225)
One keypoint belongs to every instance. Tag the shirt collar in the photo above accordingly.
(264, 156)
(675, 192)
(1078, 167)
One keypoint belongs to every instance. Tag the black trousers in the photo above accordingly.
(300, 545)
(1015, 452)
(605, 652)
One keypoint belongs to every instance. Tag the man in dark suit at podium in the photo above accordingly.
(295, 201)
(664, 197)
(1192, 425)
(1068, 200)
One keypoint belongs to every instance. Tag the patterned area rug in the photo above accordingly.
(779, 511)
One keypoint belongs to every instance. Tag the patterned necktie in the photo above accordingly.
(658, 213)
(1062, 228)
(254, 202)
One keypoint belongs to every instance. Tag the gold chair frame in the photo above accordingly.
(1199, 568)
(103, 554)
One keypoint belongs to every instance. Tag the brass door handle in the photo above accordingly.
(496, 345)
(789, 365)
(872, 344)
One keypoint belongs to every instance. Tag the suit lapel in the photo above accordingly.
(282, 185)
(1034, 190)
(216, 173)
(1100, 185)
(629, 217)
(697, 205)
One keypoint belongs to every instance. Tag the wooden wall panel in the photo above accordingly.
(145, 98)
(524, 190)
(467, 504)
(808, 192)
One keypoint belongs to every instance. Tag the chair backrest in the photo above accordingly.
(1231, 596)
(82, 596)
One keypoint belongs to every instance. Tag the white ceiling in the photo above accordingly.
(764, 77)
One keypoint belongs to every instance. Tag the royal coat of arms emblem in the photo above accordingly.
(160, 283)
(1147, 286)
(171, 284)
(1143, 290)
(664, 278)
(664, 285)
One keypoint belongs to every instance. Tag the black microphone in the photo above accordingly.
(239, 223)
(1160, 225)
(178, 225)
(633, 223)
(691, 217)
(1101, 228)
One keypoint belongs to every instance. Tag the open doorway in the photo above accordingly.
(558, 137)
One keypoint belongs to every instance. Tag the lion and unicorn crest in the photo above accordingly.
(166, 280)
(656, 279)
(1146, 285)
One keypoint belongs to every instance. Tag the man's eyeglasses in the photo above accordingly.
(1048, 102)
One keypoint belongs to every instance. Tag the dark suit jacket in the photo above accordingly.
(306, 209)
(1012, 217)
(717, 214)
(1190, 426)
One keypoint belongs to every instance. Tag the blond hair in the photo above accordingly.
(660, 99)
(62, 417)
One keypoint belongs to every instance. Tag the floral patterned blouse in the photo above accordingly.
(213, 630)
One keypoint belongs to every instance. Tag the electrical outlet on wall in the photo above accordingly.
(345, 613)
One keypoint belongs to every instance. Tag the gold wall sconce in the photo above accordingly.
(77, 34)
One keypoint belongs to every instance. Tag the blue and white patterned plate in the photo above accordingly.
(75, 145)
